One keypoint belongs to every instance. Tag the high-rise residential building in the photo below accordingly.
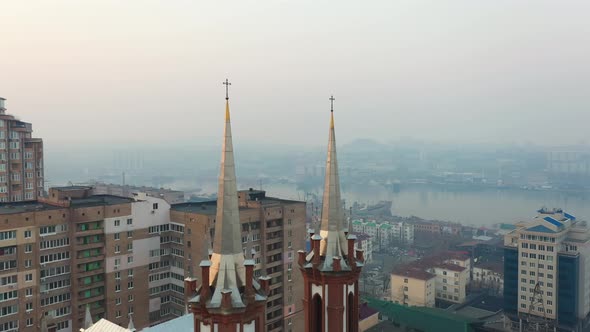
(547, 271)
(60, 255)
(21, 159)
(331, 269)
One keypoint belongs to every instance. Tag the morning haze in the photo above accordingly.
(151, 71)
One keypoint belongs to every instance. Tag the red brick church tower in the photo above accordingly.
(331, 269)
(229, 298)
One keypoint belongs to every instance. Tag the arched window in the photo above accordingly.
(350, 309)
(316, 314)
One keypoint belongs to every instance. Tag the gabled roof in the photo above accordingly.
(104, 325)
(179, 324)
(553, 221)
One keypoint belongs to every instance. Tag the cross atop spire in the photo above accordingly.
(227, 84)
(332, 103)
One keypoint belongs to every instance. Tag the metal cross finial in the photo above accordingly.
(332, 103)
(227, 84)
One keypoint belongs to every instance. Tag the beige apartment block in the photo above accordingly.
(413, 287)
(21, 159)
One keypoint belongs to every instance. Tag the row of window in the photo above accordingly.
(55, 271)
(117, 222)
(55, 285)
(56, 299)
(532, 290)
(537, 238)
(534, 282)
(59, 256)
(540, 257)
(8, 295)
(533, 246)
(539, 309)
(7, 235)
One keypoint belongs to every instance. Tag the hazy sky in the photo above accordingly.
(131, 71)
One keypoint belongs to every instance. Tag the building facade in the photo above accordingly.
(413, 287)
(547, 270)
(54, 261)
(21, 160)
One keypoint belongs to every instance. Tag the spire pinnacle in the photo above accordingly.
(227, 260)
(227, 84)
(334, 242)
(332, 111)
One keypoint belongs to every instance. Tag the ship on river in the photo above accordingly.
(381, 209)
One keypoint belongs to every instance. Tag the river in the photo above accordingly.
(479, 207)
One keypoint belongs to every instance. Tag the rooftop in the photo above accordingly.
(413, 272)
(180, 324)
(28, 206)
(451, 267)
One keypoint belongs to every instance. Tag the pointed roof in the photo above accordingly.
(333, 242)
(227, 261)
(88, 318)
(131, 326)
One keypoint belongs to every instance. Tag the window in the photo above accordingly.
(118, 313)
(28, 234)
(130, 246)
(130, 259)
(155, 206)
(129, 221)
(29, 322)
(117, 275)
(117, 262)
(118, 301)
(117, 287)
(130, 273)
(117, 236)
(7, 235)
(130, 284)
(29, 306)
(130, 234)
(28, 263)
(117, 223)
(130, 298)
(117, 248)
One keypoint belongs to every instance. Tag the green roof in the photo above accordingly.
(371, 224)
(423, 318)
(507, 226)
(357, 222)
(386, 226)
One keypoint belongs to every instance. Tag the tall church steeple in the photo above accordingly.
(229, 298)
(332, 268)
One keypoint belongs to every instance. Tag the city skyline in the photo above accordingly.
(493, 72)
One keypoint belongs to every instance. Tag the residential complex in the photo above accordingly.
(21, 160)
(413, 287)
(385, 234)
(129, 256)
(547, 270)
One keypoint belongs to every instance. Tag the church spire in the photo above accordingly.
(227, 271)
(334, 243)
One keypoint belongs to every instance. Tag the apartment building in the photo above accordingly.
(451, 281)
(385, 234)
(446, 274)
(272, 230)
(547, 270)
(413, 287)
(21, 159)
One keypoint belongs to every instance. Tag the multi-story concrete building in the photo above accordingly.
(446, 275)
(126, 257)
(364, 242)
(547, 270)
(21, 160)
(413, 287)
(451, 281)
(54, 262)
(385, 234)
(272, 229)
